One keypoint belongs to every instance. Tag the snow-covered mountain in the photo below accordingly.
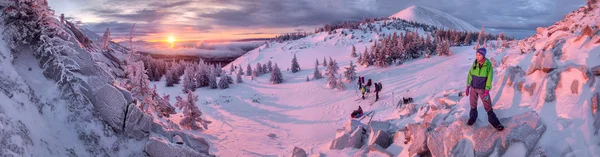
(434, 17)
(545, 92)
(59, 95)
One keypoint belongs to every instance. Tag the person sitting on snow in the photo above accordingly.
(357, 113)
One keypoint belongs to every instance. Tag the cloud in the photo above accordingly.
(292, 14)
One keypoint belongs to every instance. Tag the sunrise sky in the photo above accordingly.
(187, 20)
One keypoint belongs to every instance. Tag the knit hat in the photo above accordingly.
(482, 51)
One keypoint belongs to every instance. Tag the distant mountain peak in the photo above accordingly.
(434, 17)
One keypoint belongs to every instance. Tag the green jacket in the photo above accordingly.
(480, 77)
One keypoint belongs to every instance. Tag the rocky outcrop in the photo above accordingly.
(163, 148)
(595, 70)
(111, 105)
(299, 152)
(381, 138)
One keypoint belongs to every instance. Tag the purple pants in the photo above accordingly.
(478, 93)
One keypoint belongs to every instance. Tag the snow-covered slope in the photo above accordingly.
(543, 97)
(430, 16)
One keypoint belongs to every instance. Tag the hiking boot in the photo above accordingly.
(471, 121)
(499, 127)
(472, 116)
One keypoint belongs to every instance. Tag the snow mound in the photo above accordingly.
(434, 17)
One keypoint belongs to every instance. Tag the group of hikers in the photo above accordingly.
(479, 84)
(366, 88)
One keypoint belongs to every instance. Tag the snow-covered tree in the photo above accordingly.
(171, 77)
(231, 69)
(325, 62)
(163, 106)
(105, 41)
(265, 69)
(189, 83)
(270, 66)
(340, 84)
(317, 74)
(353, 54)
(223, 83)
(295, 66)
(332, 71)
(212, 78)
(238, 77)
(138, 80)
(228, 78)
(317, 62)
(350, 72)
(276, 75)
(259, 70)
(248, 70)
(192, 114)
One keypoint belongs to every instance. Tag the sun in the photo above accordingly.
(171, 39)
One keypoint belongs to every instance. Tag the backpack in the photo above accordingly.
(380, 86)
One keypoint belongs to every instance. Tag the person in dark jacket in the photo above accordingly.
(479, 84)
(377, 90)
(369, 86)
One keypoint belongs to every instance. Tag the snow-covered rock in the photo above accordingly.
(375, 126)
(340, 142)
(111, 105)
(298, 152)
(160, 147)
(137, 123)
(595, 70)
(464, 148)
(352, 124)
(575, 87)
(514, 75)
(381, 138)
(357, 138)
(526, 128)
(417, 136)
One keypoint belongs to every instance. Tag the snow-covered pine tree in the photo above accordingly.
(359, 60)
(317, 74)
(171, 77)
(191, 112)
(467, 40)
(241, 71)
(238, 77)
(276, 75)
(105, 40)
(350, 72)
(353, 54)
(317, 61)
(340, 84)
(212, 78)
(138, 80)
(270, 66)
(231, 69)
(248, 70)
(163, 106)
(332, 71)
(265, 69)
(440, 47)
(259, 70)
(223, 83)
(485, 45)
(325, 62)
(188, 79)
(295, 66)
(447, 48)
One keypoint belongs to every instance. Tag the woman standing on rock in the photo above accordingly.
(479, 83)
